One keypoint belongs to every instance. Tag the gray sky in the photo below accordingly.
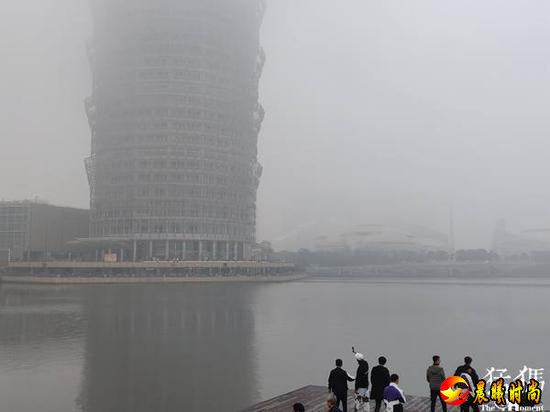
(377, 112)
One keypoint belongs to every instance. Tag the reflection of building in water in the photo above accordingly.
(385, 238)
(39, 324)
(163, 348)
(32, 229)
(174, 117)
(41, 331)
(534, 243)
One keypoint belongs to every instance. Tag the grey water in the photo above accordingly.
(222, 347)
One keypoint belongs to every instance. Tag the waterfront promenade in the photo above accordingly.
(65, 272)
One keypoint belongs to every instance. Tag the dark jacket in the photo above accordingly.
(362, 375)
(334, 409)
(463, 368)
(435, 376)
(338, 381)
(379, 379)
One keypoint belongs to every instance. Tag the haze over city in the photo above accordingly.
(376, 112)
(274, 205)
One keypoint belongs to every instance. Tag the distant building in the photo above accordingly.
(262, 252)
(326, 243)
(534, 243)
(32, 230)
(385, 238)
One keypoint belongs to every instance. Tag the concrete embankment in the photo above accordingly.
(470, 270)
(67, 272)
(53, 280)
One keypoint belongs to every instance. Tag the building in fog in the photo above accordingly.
(32, 230)
(531, 244)
(174, 118)
(385, 238)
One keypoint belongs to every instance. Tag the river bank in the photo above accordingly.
(463, 270)
(74, 272)
(58, 280)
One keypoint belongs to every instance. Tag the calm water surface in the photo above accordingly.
(220, 347)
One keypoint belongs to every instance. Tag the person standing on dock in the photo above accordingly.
(467, 366)
(379, 379)
(435, 376)
(362, 381)
(394, 398)
(468, 376)
(338, 384)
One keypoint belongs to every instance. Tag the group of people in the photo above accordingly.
(383, 387)
(435, 375)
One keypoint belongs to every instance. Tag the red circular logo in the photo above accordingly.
(454, 390)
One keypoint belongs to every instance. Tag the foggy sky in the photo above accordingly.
(376, 112)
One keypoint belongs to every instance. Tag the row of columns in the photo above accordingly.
(179, 249)
(168, 250)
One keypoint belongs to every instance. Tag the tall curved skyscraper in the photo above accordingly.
(174, 117)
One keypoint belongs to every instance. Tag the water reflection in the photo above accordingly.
(223, 347)
(36, 321)
(41, 337)
(127, 348)
(158, 348)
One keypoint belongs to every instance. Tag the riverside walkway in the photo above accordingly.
(148, 272)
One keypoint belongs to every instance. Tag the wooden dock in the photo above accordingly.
(314, 397)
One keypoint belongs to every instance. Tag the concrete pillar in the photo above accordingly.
(150, 257)
(214, 250)
(236, 250)
(247, 251)
(97, 255)
(121, 254)
(167, 250)
(134, 250)
(200, 249)
(183, 250)
(226, 250)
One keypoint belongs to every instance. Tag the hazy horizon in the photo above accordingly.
(376, 112)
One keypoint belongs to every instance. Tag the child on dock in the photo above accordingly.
(394, 398)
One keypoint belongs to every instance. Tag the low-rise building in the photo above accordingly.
(32, 230)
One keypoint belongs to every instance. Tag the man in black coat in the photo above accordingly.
(338, 384)
(471, 372)
(467, 366)
(379, 379)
